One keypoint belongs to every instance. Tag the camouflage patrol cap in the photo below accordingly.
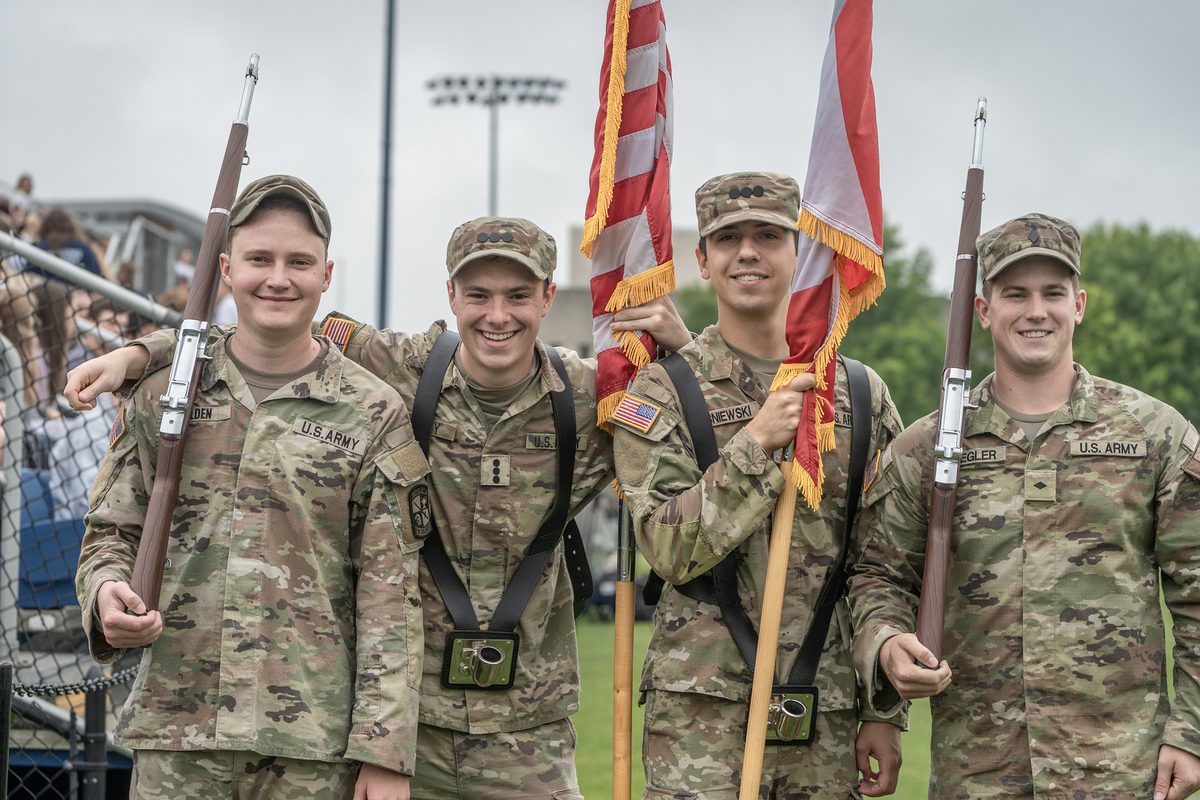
(286, 185)
(508, 237)
(764, 196)
(1030, 235)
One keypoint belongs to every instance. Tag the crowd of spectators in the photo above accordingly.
(55, 325)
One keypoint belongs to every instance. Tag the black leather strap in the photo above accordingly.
(719, 586)
(525, 579)
(805, 669)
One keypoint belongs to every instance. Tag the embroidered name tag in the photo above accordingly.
(549, 441)
(843, 419)
(1107, 448)
(323, 433)
(210, 413)
(743, 413)
(1040, 486)
(983, 455)
(493, 471)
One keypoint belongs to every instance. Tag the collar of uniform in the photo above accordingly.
(321, 384)
(988, 417)
(714, 359)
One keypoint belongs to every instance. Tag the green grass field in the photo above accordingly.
(594, 721)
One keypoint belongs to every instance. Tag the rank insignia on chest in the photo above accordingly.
(494, 471)
(118, 426)
(635, 413)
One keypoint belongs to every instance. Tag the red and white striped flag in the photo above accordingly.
(628, 230)
(839, 265)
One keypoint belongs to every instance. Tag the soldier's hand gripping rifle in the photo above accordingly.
(189, 357)
(956, 388)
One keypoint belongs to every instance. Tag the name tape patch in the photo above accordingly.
(549, 441)
(327, 435)
(743, 413)
(210, 413)
(635, 413)
(983, 455)
(843, 419)
(1109, 448)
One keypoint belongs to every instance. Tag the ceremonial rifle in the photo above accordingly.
(189, 358)
(956, 388)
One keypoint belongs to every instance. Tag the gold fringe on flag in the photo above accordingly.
(643, 287)
(842, 242)
(809, 488)
(616, 487)
(634, 291)
(605, 406)
(612, 126)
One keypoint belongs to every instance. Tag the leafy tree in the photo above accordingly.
(697, 305)
(1143, 311)
(903, 336)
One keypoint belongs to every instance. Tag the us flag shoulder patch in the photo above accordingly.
(118, 427)
(635, 413)
(872, 472)
(339, 331)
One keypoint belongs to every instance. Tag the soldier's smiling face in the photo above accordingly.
(750, 264)
(499, 305)
(1032, 308)
(277, 271)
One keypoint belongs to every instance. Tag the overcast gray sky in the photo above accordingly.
(1092, 111)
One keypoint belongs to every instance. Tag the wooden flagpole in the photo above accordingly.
(768, 635)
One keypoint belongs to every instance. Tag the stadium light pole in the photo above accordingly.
(493, 91)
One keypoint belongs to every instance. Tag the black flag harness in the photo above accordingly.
(486, 659)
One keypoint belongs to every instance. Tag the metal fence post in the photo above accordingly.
(95, 751)
(6, 693)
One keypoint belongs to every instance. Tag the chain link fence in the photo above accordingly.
(63, 704)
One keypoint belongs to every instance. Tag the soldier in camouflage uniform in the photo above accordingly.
(285, 654)
(695, 682)
(493, 477)
(1078, 500)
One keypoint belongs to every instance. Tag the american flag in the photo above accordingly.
(839, 265)
(637, 413)
(628, 229)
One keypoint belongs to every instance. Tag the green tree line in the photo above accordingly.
(1140, 327)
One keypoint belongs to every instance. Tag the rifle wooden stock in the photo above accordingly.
(931, 614)
(146, 580)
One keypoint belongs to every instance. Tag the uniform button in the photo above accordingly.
(495, 237)
(747, 191)
(506, 236)
(481, 237)
(733, 193)
(758, 191)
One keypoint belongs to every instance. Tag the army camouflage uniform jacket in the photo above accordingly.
(1053, 626)
(291, 616)
(687, 522)
(487, 526)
